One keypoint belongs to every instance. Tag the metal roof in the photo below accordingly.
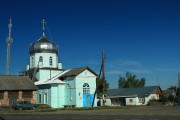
(13, 82)
(43, 45)
(77, 71)
(124, 92)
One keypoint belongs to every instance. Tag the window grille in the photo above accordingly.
(1, 94)
(13, 94)
(27, 94)
(39, 100)
(86, 89)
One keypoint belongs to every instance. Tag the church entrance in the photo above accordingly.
(86, 95)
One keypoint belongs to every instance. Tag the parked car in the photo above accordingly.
(176, 104)
(24, 105)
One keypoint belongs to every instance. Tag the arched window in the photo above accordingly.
(40, 60)
(50, 61)
(86, 89)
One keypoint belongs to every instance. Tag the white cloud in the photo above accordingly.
(114, 72)
(130, 63)
(123, 63)
(167, 69)
(140, 71)
(121, 66)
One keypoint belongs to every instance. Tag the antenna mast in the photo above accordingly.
(9, 42)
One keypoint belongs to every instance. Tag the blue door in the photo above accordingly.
(86, 95)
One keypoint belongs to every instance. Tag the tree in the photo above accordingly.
(172, 88)
(173, 97)
(131, 81)
(99, 83)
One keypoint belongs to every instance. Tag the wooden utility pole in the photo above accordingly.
(103, 75)
(103, 80)
(178, 87)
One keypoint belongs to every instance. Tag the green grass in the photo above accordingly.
(72, 109)
(103, 107)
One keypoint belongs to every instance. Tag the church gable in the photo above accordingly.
(83, 71)
(86, 73)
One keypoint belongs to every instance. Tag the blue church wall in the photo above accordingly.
(78, 90)
(43, 96)
(52, 95)
(85, 99)
(47, 74)
(45, 62)
(57, 95)
(45, 92)
(70, 96)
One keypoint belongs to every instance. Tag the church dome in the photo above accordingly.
(43, 45)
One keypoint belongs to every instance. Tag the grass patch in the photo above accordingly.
(46, 110)
(39, 110)
(102, 107)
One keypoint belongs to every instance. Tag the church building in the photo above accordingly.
(58, 87)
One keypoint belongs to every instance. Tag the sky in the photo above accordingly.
(137, 36)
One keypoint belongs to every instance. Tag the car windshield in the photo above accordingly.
(26, 102)
(19, 102)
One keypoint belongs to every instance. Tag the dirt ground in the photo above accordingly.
(166, 111)
(171, 111)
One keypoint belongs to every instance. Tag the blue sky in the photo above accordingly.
(139, 36)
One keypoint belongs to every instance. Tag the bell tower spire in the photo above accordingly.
(43, 26)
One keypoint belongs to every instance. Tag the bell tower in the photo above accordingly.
(43, 60)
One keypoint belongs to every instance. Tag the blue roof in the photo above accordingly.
(132, 91)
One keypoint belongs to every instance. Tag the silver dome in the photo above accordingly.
(43, 45)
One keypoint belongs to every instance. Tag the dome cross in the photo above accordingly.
(43, 23)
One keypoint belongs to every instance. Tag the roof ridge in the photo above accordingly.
(80, 67)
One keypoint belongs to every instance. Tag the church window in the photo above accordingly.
(27, 94)
(86, 89)
(45, 98)
(50, 61)
(1, 94)
(41, 60)
(13, 94)
(39, 100)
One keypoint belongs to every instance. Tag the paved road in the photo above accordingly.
(85, 117)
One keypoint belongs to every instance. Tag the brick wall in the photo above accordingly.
(5, 102)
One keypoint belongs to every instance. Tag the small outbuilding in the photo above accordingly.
(132, 96)
(16, 88)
